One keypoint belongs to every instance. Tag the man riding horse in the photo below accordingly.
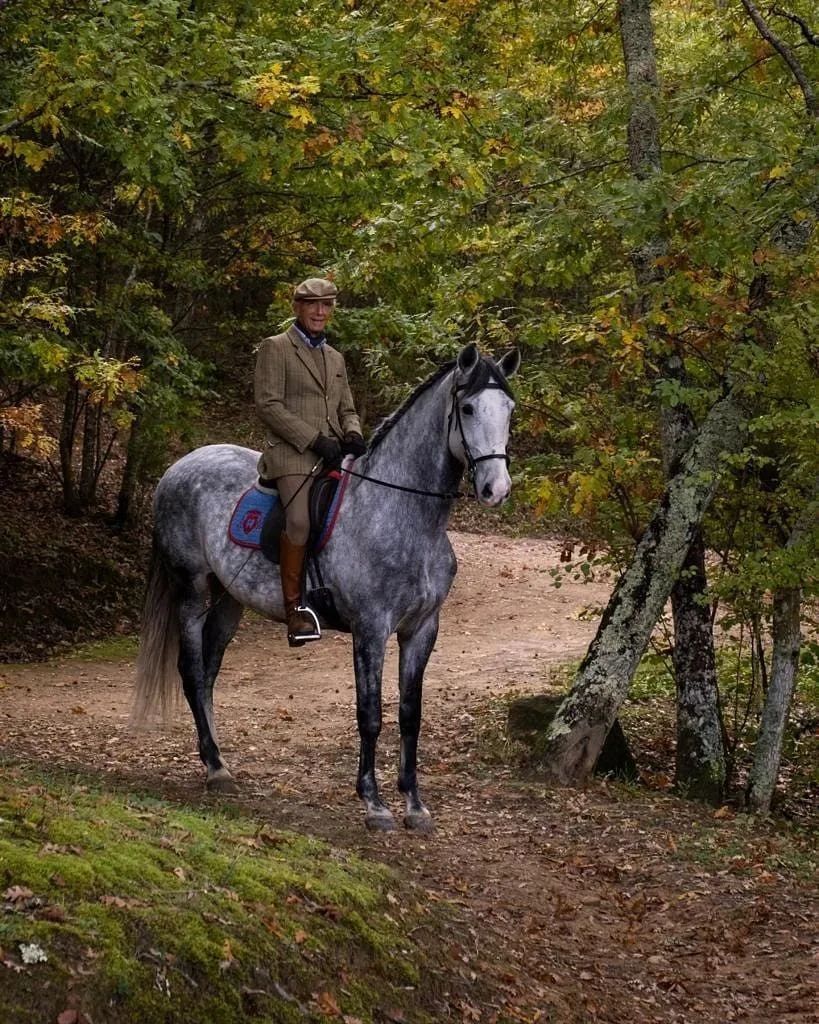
(304, 400)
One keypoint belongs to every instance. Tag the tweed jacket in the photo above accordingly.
(296, 405)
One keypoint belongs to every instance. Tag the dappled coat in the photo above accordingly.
(300, 393)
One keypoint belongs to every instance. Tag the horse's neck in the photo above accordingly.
(415, 452)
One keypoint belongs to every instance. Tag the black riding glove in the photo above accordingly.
(353, 444)
(329, 449)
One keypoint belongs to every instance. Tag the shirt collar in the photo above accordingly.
(312, 341)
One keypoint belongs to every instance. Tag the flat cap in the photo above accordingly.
(313, 289)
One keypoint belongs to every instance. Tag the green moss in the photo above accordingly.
(113, 648)
(170, 913)
(745, 846)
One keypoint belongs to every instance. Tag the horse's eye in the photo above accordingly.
(467, 409)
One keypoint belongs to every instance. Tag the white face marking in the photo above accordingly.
(485, 419)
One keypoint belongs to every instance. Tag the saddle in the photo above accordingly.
(258, 520)
(326, 494)
(324, 490)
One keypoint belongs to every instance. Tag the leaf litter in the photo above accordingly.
(609, 904)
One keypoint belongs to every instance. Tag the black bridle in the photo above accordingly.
(471, 460)
(455, 411)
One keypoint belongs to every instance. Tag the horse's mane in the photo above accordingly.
(484, 372)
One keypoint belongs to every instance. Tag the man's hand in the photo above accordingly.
(353, 444)
(329, 449)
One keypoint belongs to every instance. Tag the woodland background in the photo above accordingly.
(626, 191)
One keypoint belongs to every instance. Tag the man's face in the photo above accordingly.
(314, 315)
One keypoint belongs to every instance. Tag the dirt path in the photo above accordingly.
(601, 905)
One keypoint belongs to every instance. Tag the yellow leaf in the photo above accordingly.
(300, 116)
(309, 86)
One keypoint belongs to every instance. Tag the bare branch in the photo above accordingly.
(786, 54)
(18, 122)
(809, 36)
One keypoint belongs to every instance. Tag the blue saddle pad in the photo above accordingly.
(245, 528)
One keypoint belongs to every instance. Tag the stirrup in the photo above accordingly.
(303, 638)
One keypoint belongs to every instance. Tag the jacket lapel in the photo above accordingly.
(306, 361)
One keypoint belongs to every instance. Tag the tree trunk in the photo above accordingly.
(700, 753)
(130, 475)
(574, 740)
(787, 641)
(700, 757)
(68, 427)
(88, 465)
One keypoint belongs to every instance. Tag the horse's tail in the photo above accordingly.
(157, 676)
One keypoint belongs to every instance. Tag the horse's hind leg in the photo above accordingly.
(368, 659)
(220, 627)
(415, 648)
(197, 686)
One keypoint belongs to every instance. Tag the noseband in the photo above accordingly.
(455, 412)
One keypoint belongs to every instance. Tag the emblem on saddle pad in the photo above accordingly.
(245, 528)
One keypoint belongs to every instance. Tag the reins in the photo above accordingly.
(446, 495)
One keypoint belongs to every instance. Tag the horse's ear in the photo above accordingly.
(468, 358)
(509, 362)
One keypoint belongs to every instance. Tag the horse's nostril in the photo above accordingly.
(487, 491)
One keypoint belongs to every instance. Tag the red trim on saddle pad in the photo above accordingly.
(332, 514)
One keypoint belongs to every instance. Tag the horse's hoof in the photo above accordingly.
(419, 821)
(221, 781)
(380, 820)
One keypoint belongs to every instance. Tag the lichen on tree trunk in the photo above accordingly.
(575, 738)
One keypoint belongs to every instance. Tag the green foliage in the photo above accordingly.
(461, 168)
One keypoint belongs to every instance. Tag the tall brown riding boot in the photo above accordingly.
(302, 624)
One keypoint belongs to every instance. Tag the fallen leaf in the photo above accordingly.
(327, 1004)
(113, 901)
(53, 913)
(17, 894)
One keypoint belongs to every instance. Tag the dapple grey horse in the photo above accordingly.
(388, 565)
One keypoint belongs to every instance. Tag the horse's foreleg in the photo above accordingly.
(368, 659)
(198, 689)
(415, 649)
